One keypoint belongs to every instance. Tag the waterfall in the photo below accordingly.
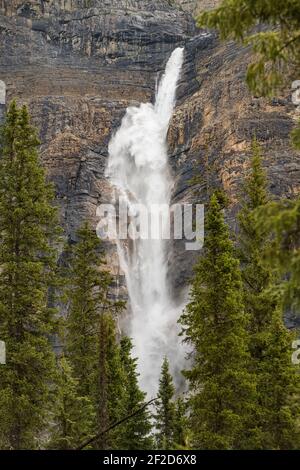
(138, 170)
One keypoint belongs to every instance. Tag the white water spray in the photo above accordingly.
(138, 169)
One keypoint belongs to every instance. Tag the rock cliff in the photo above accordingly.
(195, 6)
(79, 63)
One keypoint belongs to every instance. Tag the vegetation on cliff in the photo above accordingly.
(222, 387)
(243, 389)
(28, 229)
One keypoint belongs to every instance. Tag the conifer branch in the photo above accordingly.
(121, 421)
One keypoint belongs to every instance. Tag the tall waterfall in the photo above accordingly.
(138, 170)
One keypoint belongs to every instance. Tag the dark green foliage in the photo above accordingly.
(170, 415)
(277, 49)
(110, 391)
(237, 18)
(135, 433)
(270, 342)
(282, 219)
(86, 292)
(296, 136)
(181, 430)
(278, 385)
(165, 410)
(91, 335)
(254, 238)
(222, 389)
(27, 231)
(73, 415)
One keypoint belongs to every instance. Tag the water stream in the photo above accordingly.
(138, 170)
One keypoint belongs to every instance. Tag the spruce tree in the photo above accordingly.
(135, 433)
(91, 342)
(73, 416)
(276, 52)
(86, 290)
(222, 389)
(27, 233)
(282, 220)
(270, 341)
(110, 391)
(181, 430)
(165, 410)
(254, 239)
(276, 47)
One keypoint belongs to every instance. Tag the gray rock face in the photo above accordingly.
(2, 100)
(79, 63)
(210, 136)
(195, 6)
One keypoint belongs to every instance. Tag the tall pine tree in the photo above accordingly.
(270, 341)
(91, 342)
(27, 261)
(87, 282)
(110, 391)
(276, 52)
(135, 433)
(165, 410)
(73, 416)
(222, 389)
(181, 429)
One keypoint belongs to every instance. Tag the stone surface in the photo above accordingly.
(195, 6)
(2, 100)
(78, 65)
(2, 93)
(2, 353)
(211, 134)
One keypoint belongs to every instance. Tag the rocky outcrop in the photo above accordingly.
(195, 6)
(79, 63)
(2, 100)
(211, 135)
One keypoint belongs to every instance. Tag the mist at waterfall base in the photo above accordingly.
(139, 172)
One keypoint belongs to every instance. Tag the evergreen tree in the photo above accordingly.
(181, 431)
(73, 417)
(87, 284)
(282, 220)
(27, 232)
(254, 239)
(165, 410)
(222, 389)
(270, 341)
(91, 335)
(135, 433)
(110, 392)
(276, 52)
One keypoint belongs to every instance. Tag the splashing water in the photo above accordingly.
(138, 170)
